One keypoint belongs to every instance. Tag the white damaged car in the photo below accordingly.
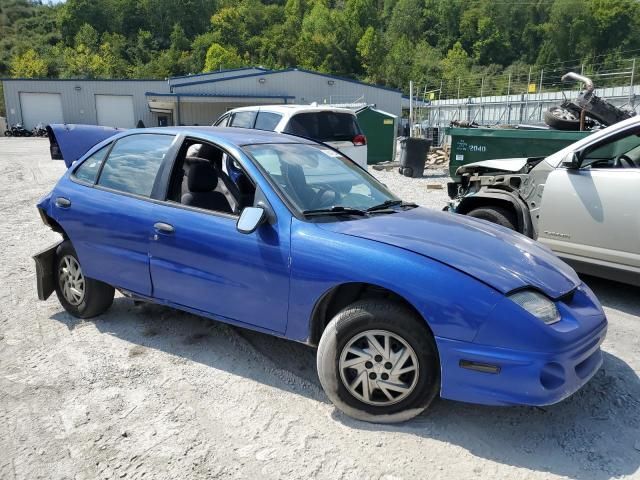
(583, 202)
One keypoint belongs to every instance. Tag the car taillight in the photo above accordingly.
(359, 140)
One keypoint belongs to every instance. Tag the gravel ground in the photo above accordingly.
(428, 191)
(149, 392)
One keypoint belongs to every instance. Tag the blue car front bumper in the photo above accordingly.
(521, 378)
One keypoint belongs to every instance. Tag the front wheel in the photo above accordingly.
(498, 215)
(8, 133)
(82, 297)
(377, 362)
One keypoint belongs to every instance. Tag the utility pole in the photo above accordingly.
(631, 93)
(411, 108)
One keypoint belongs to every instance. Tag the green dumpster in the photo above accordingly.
(380, 129)
(469, 145)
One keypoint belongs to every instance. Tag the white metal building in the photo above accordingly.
(187, 100)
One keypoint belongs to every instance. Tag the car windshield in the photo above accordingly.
(314, 177)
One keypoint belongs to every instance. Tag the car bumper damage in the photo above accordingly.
(45, 266)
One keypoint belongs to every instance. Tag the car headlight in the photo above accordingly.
(537, 305)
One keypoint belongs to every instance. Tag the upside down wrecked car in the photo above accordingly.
(289, 237)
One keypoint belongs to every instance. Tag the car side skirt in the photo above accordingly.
(618, 273)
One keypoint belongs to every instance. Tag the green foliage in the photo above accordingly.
(28, 65)
(382, 41)
(219, 58)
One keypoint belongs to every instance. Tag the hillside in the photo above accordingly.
(382, 41)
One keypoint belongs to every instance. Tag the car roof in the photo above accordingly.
(236, 136)
(293, 109)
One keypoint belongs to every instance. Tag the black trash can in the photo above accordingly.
(413, 155)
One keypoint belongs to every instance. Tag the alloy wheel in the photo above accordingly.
(379, 367)
(71, 280)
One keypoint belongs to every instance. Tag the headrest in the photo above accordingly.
(202, 177)
(210, 153)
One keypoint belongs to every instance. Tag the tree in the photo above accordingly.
(219, 58)
(28, 65)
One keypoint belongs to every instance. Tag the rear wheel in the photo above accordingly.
(377, 362)
(498, 215)
(82, 297)
(8, 133)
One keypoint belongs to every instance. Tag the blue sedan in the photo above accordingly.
(287, 236)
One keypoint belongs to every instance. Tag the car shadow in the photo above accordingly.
(592, 434)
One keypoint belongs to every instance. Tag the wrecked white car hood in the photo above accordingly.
(500, 164)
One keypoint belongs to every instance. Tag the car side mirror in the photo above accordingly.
(250, 219)
(571, 161)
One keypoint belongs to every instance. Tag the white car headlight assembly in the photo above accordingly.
(537, 305)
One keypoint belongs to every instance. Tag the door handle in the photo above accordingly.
(62, 202)
(162, 227)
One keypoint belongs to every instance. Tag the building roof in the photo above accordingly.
(286, 70)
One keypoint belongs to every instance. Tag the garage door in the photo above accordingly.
(115, 111)
(42, 108)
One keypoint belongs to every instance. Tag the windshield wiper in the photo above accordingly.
(335, 210)
(390, 203)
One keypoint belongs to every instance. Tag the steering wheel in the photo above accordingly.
(623, 161)
(317, 199)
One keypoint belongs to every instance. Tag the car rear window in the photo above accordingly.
(324, 126)
(134, 162)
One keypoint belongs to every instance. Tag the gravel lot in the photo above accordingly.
(149, 392)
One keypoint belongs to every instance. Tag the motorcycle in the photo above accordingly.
(587, 111)
(17, 130)
(39, 130)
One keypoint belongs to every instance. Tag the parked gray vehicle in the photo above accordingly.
(583, 202)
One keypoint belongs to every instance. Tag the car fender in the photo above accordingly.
(452, 303)
(488, 196)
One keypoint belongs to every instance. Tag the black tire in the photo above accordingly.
(498, 215)
(561, 119)
(407, 171)
(398, 320)
(97, 296)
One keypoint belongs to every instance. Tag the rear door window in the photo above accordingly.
(222, 121)
(267, 121)
(324, 126)
(88, 170)
(242, 119)
(134, 162)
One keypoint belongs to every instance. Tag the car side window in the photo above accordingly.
(88, 170)
(242, 119)
(134, 162)
(267, 121)
(222, 121)
(619, 152)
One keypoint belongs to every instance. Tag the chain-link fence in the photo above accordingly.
(519, 95)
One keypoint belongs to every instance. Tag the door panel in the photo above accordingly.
(206, 264)
(593, 213)
(110, 233)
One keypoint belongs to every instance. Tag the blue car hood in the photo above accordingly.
(494, 255)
